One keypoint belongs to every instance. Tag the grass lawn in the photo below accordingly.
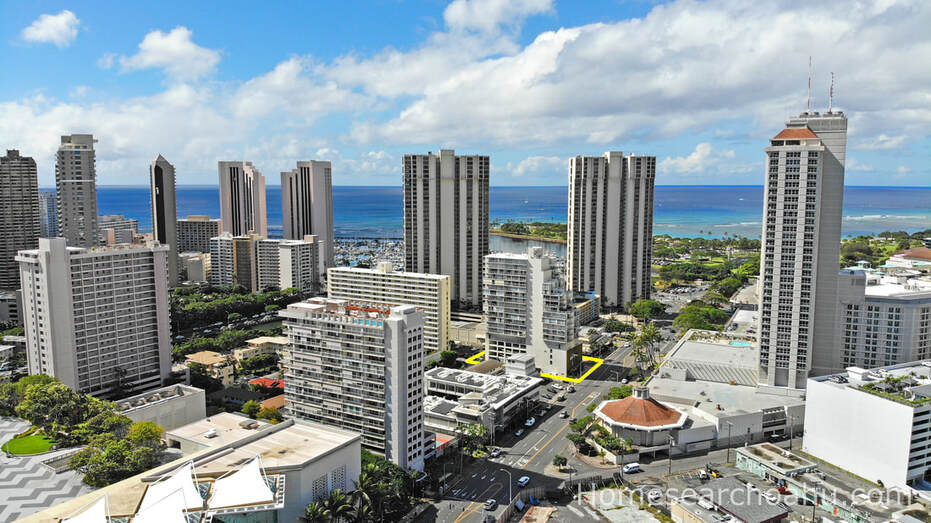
(28, 445)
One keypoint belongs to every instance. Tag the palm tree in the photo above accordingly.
(367, 488)
(646, 341)
(314, 513)
(336, 506)
(715, 298)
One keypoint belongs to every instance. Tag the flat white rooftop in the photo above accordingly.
(226, 425)
(707, 396)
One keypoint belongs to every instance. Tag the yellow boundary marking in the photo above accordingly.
(580, 379)
(473, 360)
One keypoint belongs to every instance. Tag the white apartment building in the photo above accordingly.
(873, 423)
(428, 292)
(307, 205)
(19, 213)
(803, 198)
(76, 190)
(242, 199)
(300, 264)
(165, 212)
(882, 319)
(194, 233)
(528, 310)
(258, 264)
(446, 220)
(359, 366)
(610, 240)
(97, 319)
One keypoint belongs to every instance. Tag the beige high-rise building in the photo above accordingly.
(803, 199)
(359, 366)
(446, 220)
(259, 264)
(165, 212)
(76, 189)
(307, 205)
(19, 213)
(429, 292)
(97, 319)
(242, 199)
(610, 241)
(194, 233)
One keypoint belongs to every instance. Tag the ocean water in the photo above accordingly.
(709, 211)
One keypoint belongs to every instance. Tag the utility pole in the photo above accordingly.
(672, 443)
(791, 430)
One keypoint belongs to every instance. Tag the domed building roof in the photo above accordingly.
(640, 411)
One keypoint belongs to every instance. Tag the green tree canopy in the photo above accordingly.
(146, 433)
(644, 310)
(251, 408)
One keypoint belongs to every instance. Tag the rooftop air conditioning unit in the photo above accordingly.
(212, 433)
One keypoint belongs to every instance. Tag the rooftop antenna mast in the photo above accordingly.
(831, 101)
(809, 83)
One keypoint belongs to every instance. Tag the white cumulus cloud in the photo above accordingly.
(60, 29)
(174, 52)
(489, 15)
(538, 165)
(881, 142)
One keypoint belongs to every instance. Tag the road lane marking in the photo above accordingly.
(472, 506)
(560, 431)
(575, 511)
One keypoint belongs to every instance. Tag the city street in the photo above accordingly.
(530, 454)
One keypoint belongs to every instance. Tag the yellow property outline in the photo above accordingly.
(580, 379)
(474, 359)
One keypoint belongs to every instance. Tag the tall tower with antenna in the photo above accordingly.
(803, 207)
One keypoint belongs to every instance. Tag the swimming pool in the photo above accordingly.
(740, 343)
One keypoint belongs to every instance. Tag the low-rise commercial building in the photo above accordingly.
(265, 473)
(886, 410)
(470, 397)
(169, 407)
(429, 292)
(726, 499)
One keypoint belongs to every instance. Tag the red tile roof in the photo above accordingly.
(641, 412)
(267, 382)
(795, 134)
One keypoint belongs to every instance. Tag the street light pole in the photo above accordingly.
(729, 426)
(791, 430)
(510, 485)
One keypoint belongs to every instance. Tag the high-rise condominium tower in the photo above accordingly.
(429, 292)
(97, 319)
(164, 212)
(359, 366)
(242, 199)
(48, 214)
(529, 311)
(76, 184)
(803, 200)
(446, 220)
(19, 213)
(307, 205)
(610, 241)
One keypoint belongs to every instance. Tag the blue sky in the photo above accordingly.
(528, 82)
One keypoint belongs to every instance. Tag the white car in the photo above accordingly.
(530, 422)
(654, 495)
(557, 386)
(523, 481)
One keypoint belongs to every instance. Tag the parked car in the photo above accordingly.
(491, 504)
(624, 381)
(564, 414)
(519, 433)
(702, 475)
(530, 422)
(542, 413)
(548, 396)
(561, 397)
(572, 420)
(570, 389)
(494, 453)
(654, 495)
(630, 468)
(770, 497)
(523, 481)
(557, 386)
